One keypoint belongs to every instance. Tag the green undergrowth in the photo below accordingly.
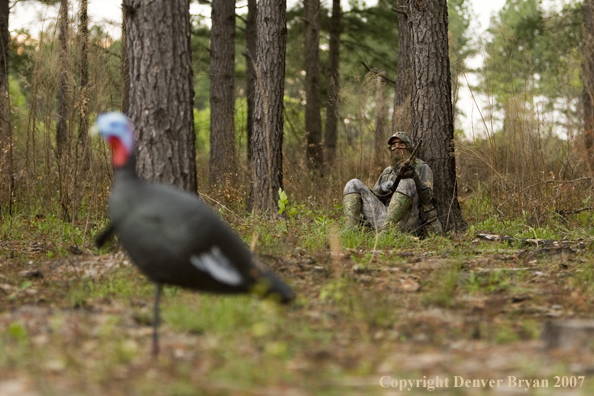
(123, 283)
(56, 235)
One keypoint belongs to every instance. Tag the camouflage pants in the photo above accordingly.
(372, 209)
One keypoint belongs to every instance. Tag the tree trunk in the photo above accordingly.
(222, 68)
(83, 116)
(62, 121)
(83, 153)
(379, 138)
(402, 115)
(432, 105)
(161, 90)
(125, 88)
(588, 95)
(333, 84)
(313, 120)
(251, 40)
(83, 36)
(267, 160)
(5, 133)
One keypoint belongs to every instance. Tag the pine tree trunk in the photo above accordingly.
(83, 151)
(313, 120)
(62, 121)
(251, 40)
(222, 163)
(588, 71)
(267, 160)
(402, 116)
(333, 85)
(432, 105)
(5, 134)
(161, 90)
(379, 137)
(83, 116)
(83, 35)
(125, 88)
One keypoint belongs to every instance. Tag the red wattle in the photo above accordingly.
(120, 154)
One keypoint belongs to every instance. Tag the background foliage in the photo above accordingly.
(521, 156)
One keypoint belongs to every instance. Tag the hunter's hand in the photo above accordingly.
(407, 172)
(386, 186)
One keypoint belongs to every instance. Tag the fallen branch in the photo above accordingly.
(523, 241)
(576, 211)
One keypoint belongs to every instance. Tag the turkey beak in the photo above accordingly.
(94, 130)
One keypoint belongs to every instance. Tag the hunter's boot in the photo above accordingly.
(352, 205)
(432, 223)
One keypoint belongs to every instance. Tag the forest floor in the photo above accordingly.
(77, 321)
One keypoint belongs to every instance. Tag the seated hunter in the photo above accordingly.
(407, 205)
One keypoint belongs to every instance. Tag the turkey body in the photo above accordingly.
(175, 239)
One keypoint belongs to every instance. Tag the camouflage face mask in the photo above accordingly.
(398, 156)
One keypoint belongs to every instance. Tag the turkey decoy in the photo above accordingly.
(172, 236)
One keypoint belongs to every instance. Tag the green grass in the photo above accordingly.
(490, 282)
(56, 235)
(126, 282)
(219, 314)
(442, 287)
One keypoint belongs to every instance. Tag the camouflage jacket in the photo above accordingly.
(407, 186)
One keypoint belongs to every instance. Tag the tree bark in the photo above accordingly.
(83, 115)
(161, 90)
(313, 120)
(333, 84)
(83, 36)
(125, 88)
(83, 152)
(5, 132)
(379, 138)
(402, 115)
(267, 160)
(432, 105)
(62, 122)
(251, 40)
(222, 162)
(588, 71)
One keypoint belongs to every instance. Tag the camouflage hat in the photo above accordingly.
(402, 136)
